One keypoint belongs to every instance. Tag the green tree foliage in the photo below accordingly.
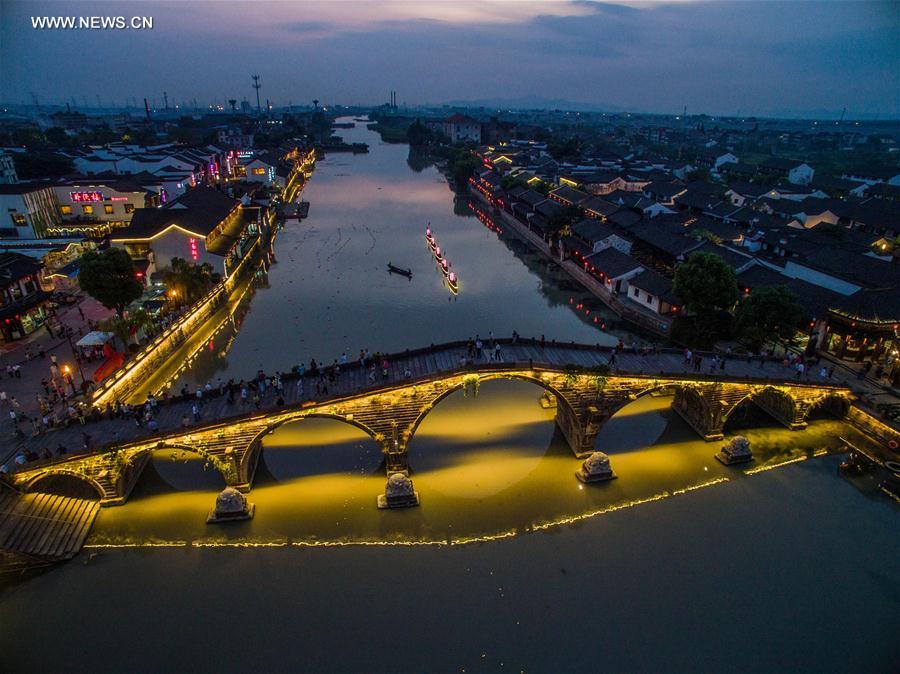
(418, 134)
(568, 149)
(769, 313)
(56, 136)
(560, 223)
(705, 284)
(461, 166)
(109, 278)
(189, 281)
(35, 165)
(509, 182)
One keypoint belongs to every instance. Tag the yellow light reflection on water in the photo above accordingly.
(486, 468)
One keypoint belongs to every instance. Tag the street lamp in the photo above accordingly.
(74, 354)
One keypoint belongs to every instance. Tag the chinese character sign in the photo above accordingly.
(82, 197)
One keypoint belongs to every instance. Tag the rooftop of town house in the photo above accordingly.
(625, 218)
(664, 237)
(883, 190)
(748, 190)
(655, 284)
(548, 208)
(531, 197)
(569, 194)
(15, 266)
(880, 305)
(814, 299)
(199, 211)
(855, 267)
(599, 206)
(698, 200)
(667, 189)
(737, 167)
(231, 234)
(781, 163)
(723, 230)
(613, 262)
(733, 258)
(592, 230)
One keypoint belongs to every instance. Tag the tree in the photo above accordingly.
(417, 133)
(32, 165)
(769, 313)
(188, 281)
(705, 284)
(461, 169)
(560, 223)
(109, 278)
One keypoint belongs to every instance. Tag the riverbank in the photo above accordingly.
(736, 577)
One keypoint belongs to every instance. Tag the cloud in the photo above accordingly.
(718, 57)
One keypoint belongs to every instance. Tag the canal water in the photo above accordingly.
(330, 292)
(509, 563)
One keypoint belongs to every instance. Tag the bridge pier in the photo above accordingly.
(580, 430)
(706, 418)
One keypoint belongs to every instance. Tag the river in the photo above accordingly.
(509, 563)
(330, 292)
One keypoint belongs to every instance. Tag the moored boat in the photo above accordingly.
(393, 269)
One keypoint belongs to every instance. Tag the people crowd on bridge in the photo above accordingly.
(316, 381)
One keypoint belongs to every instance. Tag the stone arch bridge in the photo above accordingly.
(585, 398)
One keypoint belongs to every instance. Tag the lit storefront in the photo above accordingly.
(23, 303)
(866, 329)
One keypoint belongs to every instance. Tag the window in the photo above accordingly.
(259, 171)
(649, 298)
(129, 208)
(87, 209)
(637, 293)
(19, 220)
(108, 209)
(65, 210)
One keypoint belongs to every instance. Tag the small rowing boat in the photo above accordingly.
(445, 267)
(393, 269)
(438, 255)
(452, 282)
(429, 237)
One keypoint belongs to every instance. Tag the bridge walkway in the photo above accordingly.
(44, 527)
(422, 364)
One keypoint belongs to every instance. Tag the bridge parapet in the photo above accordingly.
(585, 399)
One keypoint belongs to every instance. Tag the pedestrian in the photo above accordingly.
(195, 411)
(497, 355)
(831, 372)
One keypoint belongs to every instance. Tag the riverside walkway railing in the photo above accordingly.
(127, 378)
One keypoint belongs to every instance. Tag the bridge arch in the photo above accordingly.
(408, 433)
(215, 461)
(834, 403)
(255, 445)
(32, 483)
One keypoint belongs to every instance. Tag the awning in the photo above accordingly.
(95, 338)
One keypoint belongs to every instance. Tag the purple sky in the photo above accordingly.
(763, 58)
